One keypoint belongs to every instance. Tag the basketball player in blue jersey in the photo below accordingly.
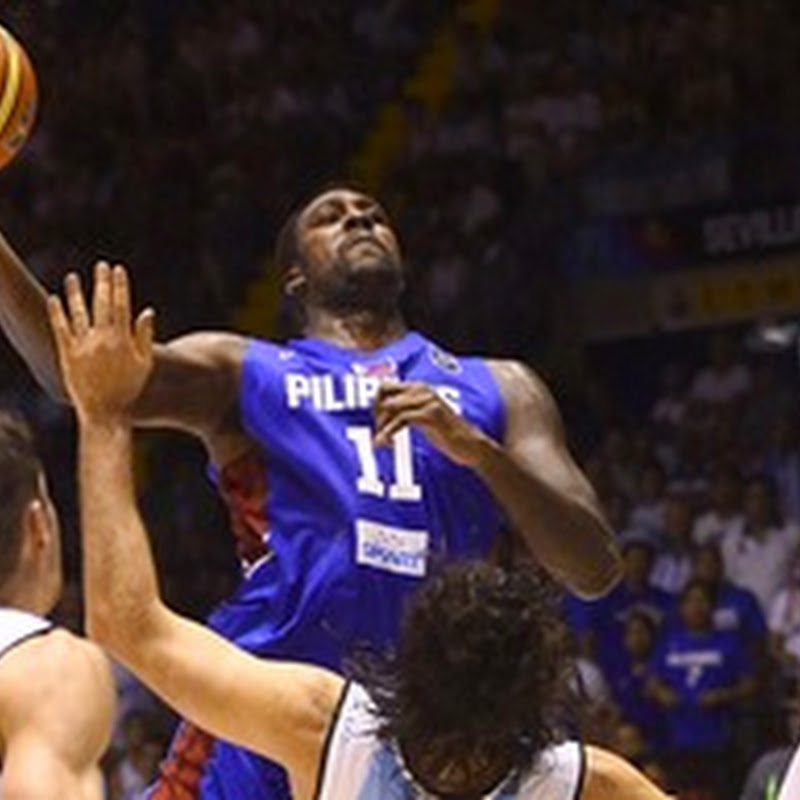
(470, 708)
(56, 691)
(356, 460)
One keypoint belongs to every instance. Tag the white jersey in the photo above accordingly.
(357, 765)
(16, 626)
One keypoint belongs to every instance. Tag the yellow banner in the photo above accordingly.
(726, 294)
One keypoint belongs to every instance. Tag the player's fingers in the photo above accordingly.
(59, 323)
(120, 298)
(393, 388)
(411, 395)
(143, 332)
(385, 433)
(390, 407)
(76, 304)
(101, 300)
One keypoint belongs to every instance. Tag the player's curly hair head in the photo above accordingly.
(479, 683)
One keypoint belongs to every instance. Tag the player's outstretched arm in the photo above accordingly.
(23, 317)
(56, 713)
(609, 777)
(281, 710)
(195, 379)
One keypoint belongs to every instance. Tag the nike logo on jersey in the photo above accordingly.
(347, 392)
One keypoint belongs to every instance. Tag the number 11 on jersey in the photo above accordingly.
(403, 487)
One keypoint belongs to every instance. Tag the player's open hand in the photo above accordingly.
(400, 404)
(105, 357)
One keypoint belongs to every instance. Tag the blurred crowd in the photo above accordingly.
(176, 135)
(692, 662)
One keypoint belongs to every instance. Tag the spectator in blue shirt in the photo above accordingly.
(700, 676)
(600, 624)
(628, 676)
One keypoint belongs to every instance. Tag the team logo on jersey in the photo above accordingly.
(385, 368)
(445, 361)
(396, 550)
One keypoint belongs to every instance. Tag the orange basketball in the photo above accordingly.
(18, 97)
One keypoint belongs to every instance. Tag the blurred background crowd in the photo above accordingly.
(526, 154)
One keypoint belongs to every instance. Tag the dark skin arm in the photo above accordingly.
(532, 474)
(195, 379)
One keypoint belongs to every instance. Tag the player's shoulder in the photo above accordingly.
(512, 369)
(54, 684)
(519, 383)
(217, 347)
(49, 663)
(609, 776)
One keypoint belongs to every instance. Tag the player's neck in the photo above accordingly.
(360, 330)
(25, 595)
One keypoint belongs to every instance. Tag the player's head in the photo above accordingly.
(480, 679)
(30, 541)
(339, 251)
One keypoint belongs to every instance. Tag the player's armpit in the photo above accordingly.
(194, 385)
(609, 777)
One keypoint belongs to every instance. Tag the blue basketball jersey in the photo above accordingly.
(337, 531)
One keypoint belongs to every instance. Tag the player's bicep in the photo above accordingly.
(37, 768)
(279, 709)
(534, 434)
(194, 383)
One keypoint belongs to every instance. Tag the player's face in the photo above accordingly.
(349, 250)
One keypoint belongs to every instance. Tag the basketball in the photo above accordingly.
(18, 97)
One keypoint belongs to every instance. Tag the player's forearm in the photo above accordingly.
(23, 317)
(567, 535)
(120, 581)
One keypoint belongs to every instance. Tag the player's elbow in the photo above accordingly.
(598, 575)
(99, 624)
(116, 632)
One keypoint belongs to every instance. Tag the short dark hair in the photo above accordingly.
(20, 469)
(482, 669)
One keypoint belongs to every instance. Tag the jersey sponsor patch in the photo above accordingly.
(397, 550)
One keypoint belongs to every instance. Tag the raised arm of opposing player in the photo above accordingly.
(280, 710)
(195, 380)
(56, 712)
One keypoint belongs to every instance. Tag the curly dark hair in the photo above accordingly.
(480, 681)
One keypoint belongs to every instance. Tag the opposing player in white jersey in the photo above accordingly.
(56, 692)
(469, 709)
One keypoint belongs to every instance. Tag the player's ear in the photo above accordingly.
(36, 524)
(294, 281)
